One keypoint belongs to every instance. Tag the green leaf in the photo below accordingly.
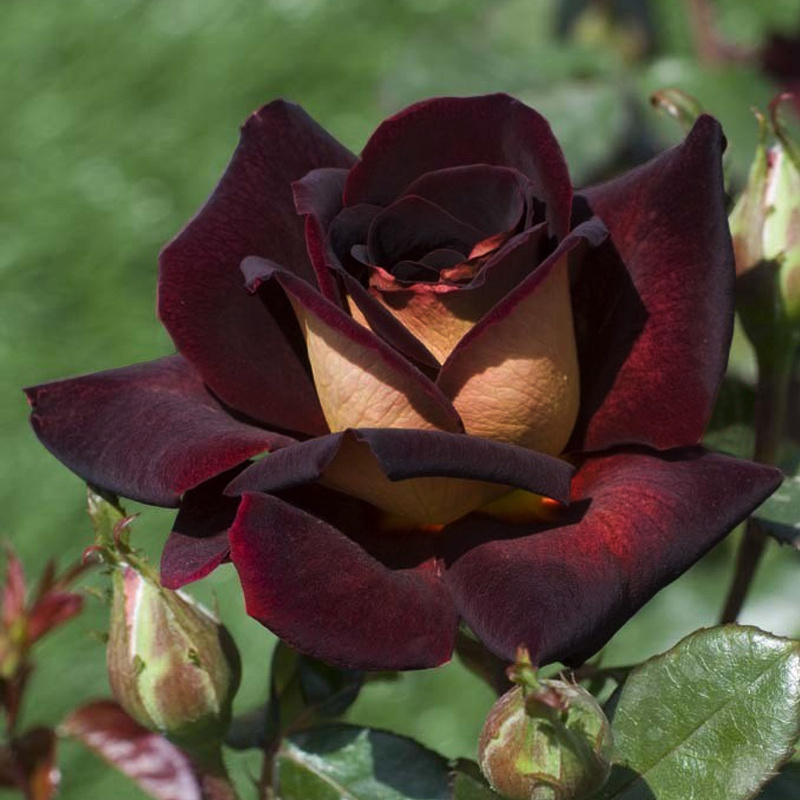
(468, 784)
(346, 762)
(711, 719)
(326, 689)
(779, 515)
(785, 786)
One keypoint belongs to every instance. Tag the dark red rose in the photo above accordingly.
(482, 396)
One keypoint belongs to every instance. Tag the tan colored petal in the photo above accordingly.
(436, 501)
(515, 378)
(440, 314)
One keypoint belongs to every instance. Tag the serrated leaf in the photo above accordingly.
(785, 786)
(152, 762)
(347, 762)
(711, 719)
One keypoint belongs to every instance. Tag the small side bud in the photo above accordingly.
(172, 666)
(765, 226)
(545, 740)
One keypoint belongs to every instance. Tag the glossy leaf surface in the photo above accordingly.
(713, 718)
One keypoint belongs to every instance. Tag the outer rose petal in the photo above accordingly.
(361, 381)
(564, 591)
(331, 597)
(514, 376)
(198, 542)
(456, 131)
(149, 432)
(654, 334)
(428, 476)
(236, 343)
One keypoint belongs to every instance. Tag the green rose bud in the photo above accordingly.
(172, 666)
(546, 740)
(765, 225)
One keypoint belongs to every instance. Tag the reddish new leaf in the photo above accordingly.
(34, 760)
(153, 763)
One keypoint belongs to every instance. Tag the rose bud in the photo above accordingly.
(549, 743)
(172, 666)
(765, 225)
(481, 390)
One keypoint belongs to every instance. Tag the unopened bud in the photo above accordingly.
(548, 743)
(765, 226)
(172, 666)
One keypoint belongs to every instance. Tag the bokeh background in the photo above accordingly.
(118, 118)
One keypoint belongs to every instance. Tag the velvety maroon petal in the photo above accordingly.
(639, 519)
(149, 432)
(456, 131)
(350, 229)
(442, 258)
(361, 380)
(654, 310)
(410, 228)
(329, 597)
(404, 454)
(238, 342)
(318, 196)
(198, 542)
(490, 199)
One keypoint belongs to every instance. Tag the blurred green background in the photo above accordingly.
(120, 116)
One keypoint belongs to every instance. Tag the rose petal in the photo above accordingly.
(487, 198)
(318, 196)
(350, 229)
(428, 476)
(439, 315)
(149, 432)
(237, 344)
(198, 542)
(514, 376)
(456, 131)
(411, 227)
(563, 591)
(370, 313)
(655, 310)
(360, 380)
(367, 612)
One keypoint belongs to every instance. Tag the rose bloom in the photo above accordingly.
(481, 395)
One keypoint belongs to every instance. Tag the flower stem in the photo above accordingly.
(774, 375)
(212, 774)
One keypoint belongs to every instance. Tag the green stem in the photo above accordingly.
(771, 400)
(211, 772)
(266, 783)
